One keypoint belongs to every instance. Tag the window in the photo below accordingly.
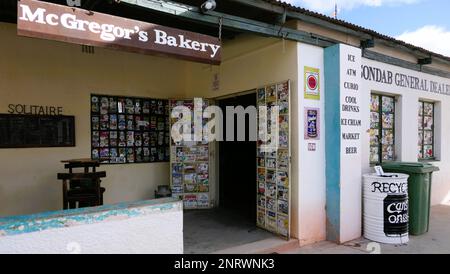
(426, 130)
(382, 128)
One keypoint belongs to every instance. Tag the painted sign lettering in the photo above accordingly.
(390, 188)
(402, 80)
(69, 24)
(396, 215)
(34, 109)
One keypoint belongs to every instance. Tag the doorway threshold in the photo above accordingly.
(221, 231)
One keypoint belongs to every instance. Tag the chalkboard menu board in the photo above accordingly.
(129, 129)
(25, 131)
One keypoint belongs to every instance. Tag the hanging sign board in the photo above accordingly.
(68, 24)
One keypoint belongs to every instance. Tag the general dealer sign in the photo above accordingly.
(68, 24)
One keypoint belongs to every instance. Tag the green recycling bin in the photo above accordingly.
(419, 191)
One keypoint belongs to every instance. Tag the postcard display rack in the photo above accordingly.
(129, 129)
(189, 163)
(273, 168)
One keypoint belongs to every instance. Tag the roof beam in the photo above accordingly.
(231, 22)
(372, 55)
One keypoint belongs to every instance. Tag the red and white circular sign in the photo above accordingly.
(312, 82)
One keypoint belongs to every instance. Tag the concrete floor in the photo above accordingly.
(208, 231)
(436, 241)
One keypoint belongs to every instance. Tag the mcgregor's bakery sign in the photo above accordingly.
(74, 25)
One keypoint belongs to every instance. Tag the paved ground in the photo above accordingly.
(436, 241)
(207, 231)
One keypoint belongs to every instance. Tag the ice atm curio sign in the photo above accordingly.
(69, 24)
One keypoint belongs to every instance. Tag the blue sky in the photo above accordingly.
(425, 23)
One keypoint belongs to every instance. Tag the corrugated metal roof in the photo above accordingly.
(356, 28)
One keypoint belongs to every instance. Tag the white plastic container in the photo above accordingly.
(385, 208)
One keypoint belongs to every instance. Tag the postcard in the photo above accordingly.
(112, 105)
(271, 204)
(271, 94)
(104, 138)
(388, 104)
(137, 139)
(271, 190)
(262, 201)
(261, 188)
(283, 159)
(374, 137)
(122, 139)
(203, 200)
(130, 155)
(95, 154)
(261, 93)
(104, 124)
(190, 201)
(122, 123)
(138, 154)
(261, 217)
(146, 107)
(282, 178)
(271, 163)
(270, 176)
(137, 106)
(121, 105)
(388, 120)
(95, 106)
(283, 225)
(428, 109)
(104, 105)
(283, 206)
(113, 121)
(104, 153)
(375, 103)
(190, 188)
(129, 106)
(283, 193)
(95, 122)
(271, 221)
(113, 138)
(130, 138)
(374, 120)
(130, 122)
(95, 138)
(122, 155)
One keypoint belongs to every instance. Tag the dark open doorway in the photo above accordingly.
(237, 166)
(233, 223)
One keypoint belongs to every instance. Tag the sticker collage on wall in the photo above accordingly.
(273, 168)
(129, 130)
(190, 163)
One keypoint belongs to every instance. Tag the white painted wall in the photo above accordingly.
(311, 165)
(311, 190)
(350, 181)
(160, 232)
(407, 125)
